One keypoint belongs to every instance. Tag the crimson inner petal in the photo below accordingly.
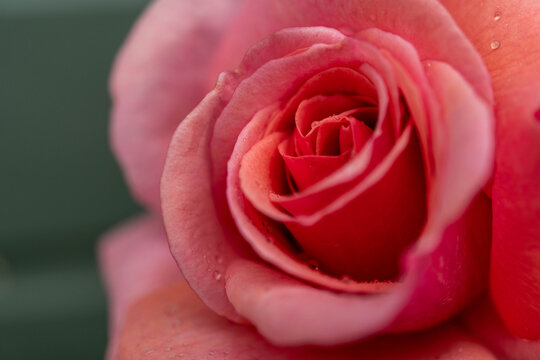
(307, 170)
(327, 122)
(365, 238)
(323, 106)
(326, 148)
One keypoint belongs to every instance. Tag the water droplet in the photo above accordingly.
(495, 44)
(313, 264)
(217, 275)
(219, 259)
(168, 348)
(497, 16)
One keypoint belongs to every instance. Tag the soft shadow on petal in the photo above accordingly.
(134, 260)
(159, 76)
(485, 324)
(172, 323)
(506, 34)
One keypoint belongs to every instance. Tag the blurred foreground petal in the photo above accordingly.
(135, 260)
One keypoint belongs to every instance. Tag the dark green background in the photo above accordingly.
(60, 186)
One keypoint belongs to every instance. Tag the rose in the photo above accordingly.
(443, 270)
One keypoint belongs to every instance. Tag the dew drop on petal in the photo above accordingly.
(313, 264)
(495, 44)
(219, 259)
(217, 275)
(497, 16)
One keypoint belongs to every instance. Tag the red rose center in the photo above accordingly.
(346, 172)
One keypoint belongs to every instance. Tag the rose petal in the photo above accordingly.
(319, 107)
(307, 170)
(365, 238)
(159, 76)
(505, 33)
(173, 323)
(264, 168)
(194, 218)
(485, 324)
(135, 260)
(425, 23)
(463, 143)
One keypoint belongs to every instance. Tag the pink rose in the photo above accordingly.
(361, 168)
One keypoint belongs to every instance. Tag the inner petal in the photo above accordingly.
(365, 238)
(308, 169)
(336, 134)
(334, 81)
(322, 106)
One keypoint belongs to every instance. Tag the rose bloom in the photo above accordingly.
(334, 180)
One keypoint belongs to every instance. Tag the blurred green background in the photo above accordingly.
(60, 186)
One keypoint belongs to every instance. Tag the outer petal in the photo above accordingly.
(424, 23)
(172, 323)
(200, 232)
(507, 34)
(135, 260)
(159, 76)
(486, 325)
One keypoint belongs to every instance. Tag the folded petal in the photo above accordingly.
(135, 260)
(506, 34)
(172, 323)
(159, 76)
(435, 288)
